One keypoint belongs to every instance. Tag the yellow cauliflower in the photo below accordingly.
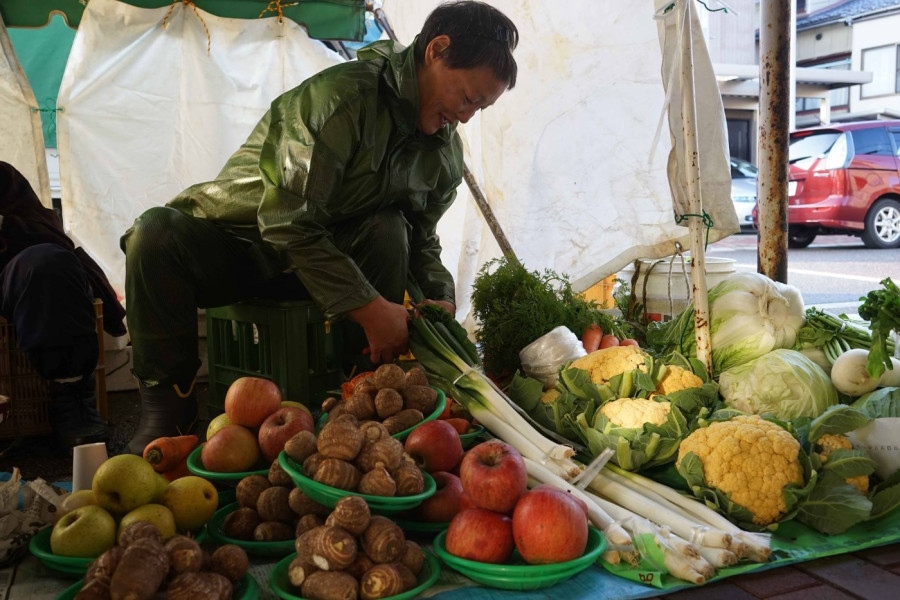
(549, 396)
(677, 378)
(749, 459)
(830, 442)
(634, 412)
(606, 363)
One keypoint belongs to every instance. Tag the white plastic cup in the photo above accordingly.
(86, 459)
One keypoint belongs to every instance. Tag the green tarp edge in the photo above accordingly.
(323, 19)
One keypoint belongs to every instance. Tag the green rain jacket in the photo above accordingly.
(342, 144)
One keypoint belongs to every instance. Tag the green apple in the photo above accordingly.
(157, 514)
(192, 500)
(124, 482)
(298, 405)
(73, 500)
(216, 424)
(86, 532)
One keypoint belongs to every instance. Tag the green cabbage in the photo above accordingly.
(749, 315)
(783, 383)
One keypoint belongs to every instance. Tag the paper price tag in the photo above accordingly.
(881, 439)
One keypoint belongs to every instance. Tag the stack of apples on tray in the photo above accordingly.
(254, 427)
(126, 489)
(499, 514)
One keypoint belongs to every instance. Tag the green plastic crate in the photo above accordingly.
(288, 342)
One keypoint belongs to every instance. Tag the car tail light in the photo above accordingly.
(839, 183)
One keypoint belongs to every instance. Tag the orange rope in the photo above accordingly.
(276, 6)
(165, 21)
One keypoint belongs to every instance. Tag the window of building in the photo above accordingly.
(838, 98)
(882, 63)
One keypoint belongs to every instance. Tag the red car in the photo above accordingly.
(845, 179)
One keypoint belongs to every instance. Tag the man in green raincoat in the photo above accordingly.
(335, 196)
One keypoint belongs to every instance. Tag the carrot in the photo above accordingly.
(446, 414)
(608, 341)
(179, 470)
(348, 386)
(460, 425)
(590, 337)
(165, 453)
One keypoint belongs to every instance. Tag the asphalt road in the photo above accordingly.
(832, 273)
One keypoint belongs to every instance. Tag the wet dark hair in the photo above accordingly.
(480, 36)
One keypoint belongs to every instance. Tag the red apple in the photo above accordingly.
(550, 486)
(465, 503)
(281, 426)
(481, 535)
(232, 449)
(249, 400)
(435, 446)
(444, 504)
(549, 526)
(493, 474)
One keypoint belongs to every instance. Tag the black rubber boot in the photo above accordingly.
(73, 416)
(166, 410)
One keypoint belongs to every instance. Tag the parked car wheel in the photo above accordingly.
(801, 237)
(883, 225)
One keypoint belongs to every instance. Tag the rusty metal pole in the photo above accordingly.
(775, 65)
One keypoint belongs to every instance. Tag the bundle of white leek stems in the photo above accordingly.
(640, 518)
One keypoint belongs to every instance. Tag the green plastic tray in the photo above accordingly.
(279, 583)
(195, 466)
(329, 496)
(70, 565)
(471, 436)
(517, 575)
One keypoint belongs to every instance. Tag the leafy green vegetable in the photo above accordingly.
(833, 506)
(881, 308)
(883, 402)
(749, 315)
(784, 383)
(514, 307)
(833, 334)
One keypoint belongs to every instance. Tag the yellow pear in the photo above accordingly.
(216, 424)
(192, 500)
(124, 482)
(73, 500)
(157, 514)
(87, 532)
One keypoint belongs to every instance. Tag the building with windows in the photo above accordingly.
(847, 56)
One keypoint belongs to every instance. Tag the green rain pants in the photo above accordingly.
(176, 263)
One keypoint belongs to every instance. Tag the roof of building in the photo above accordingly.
(845, 11)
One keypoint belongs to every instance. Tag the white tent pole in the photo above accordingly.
(696, 224)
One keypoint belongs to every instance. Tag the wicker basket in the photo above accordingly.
(28, 392)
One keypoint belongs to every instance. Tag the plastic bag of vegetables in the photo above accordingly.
(783, 383)
(749, 315)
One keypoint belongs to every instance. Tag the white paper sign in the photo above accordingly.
(881, 439)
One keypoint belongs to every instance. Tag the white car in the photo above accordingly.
(743, 191)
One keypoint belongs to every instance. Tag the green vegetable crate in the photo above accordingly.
(288, 342)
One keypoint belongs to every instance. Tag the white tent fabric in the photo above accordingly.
(146, 111)
(21, 137)
(567, 159)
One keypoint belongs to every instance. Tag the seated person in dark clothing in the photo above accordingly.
(47, 291)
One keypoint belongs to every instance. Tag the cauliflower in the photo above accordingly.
(634, 412)
(677, 378)
(749, 459)
(830, 442)
(549, 396)
(606, 363)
